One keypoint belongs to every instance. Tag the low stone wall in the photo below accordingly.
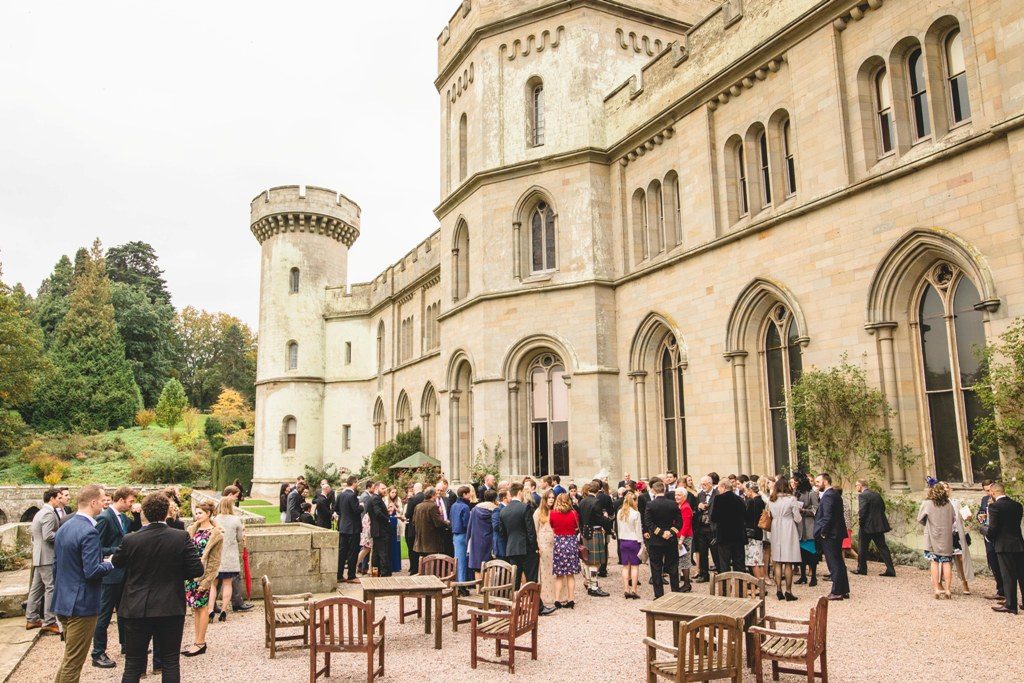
(14, 536)
(298, 558)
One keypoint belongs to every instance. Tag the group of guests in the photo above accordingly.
(135, 559)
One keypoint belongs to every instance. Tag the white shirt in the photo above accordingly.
(629, 529)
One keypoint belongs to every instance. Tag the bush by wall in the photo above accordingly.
(234, 462)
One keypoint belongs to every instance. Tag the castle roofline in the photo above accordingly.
(301, 208)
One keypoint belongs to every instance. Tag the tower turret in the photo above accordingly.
(304, 235)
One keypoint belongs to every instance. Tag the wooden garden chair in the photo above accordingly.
(741, 585)
(284, 612)
(496, 586)
(504, 627)
(441, 566)
(798, 647)
(710, 649)
(342, 625)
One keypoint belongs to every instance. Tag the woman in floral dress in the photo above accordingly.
(209, 540)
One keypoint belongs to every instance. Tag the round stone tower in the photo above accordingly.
(304, 235)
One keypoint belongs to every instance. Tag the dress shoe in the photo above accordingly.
(998, 597)
(603, 574)
(813, 582)
(242, 608)
(571, 604)
(833, 596)
(103, 662)
(597, 593)
(790, 597)
(780, 595)
(701, 579)
(861, 573)
(846, 596)
(547, 611)
(1004, 608)
(890, 574)
(685, 588)
(801, 580)
(52, 628)
(558, 605)
(195, 650)
(29, 625)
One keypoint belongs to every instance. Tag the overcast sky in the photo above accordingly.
(160, 121)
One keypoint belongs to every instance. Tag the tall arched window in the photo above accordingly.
(379, 423)
(765, 167)
(783, 365)
(293, 355)
(291, 428)
(403, 414)
(460, 262)
(917, 81)
(542, 239)
(655, 219)
(950, 329)
(742, 198)
(463, 153)
(536, 101)
(788, 159)
(549, 415)
(640, 251)
(883, 112)
(293, 281)
(673, 216)
(956, 77)
(428, 418)
(673, 413)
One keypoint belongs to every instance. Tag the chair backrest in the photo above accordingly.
(441, 566)
(268, 599)
(817, 627)
(525, 608)
(711, 643)
(499, 573)
(738, 585)
(341, 624)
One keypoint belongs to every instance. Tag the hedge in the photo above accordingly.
(234, 462)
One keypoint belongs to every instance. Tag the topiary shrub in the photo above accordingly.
(233, 466)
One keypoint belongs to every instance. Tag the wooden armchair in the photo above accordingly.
(441, 566)
(344, 625)
(710, 648)
(496, 586)
(803, 646)
(740, 585)
(284, 611)
(505, 627)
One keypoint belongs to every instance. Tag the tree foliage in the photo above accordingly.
(172, 404)
(22, 364)
(92, 386)
(841, 421)
(216, 350)
(387, 454)
(147, 328)
(1001, 391)
(54, 298)
(135, 264)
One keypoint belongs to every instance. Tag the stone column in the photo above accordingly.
(640, 409)
(887, 366)
(739, 398)
(455, 274)
(515, 452)
(517, 271)
(454, 435)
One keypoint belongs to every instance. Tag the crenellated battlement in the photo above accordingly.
(301, 208)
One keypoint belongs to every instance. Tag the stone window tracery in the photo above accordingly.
(543, 242)
(783, 366)
(548, 410)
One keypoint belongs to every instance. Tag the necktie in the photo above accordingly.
(440, 506)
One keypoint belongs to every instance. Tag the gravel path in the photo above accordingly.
(891, 630)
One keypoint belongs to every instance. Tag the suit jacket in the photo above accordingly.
(410, 512)
(728, 516)
(871, 512)
(1003, 528)
(346, 504)
(111, 525)
(156, 561)
(429, 526)
(44, 528)
(295, 500)
(380, 520)
(515, 524)
(662, 515)
(78, 568)
(828, 520)
(324, 507)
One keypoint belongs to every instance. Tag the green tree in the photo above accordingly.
(54, 298)
(215, 351)
(147, 328)
(135, 264)
(391, 452)
(92, 386)
(22, 364)
(1001, 391)
(172, 404)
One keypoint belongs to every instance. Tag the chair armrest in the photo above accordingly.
(651, 642)
(786, 620)
(775, 632)
(295, 596)
(292, 603)
(464, 584)
(380, 624)
(487, 613)
(495, 589)
(448, 579)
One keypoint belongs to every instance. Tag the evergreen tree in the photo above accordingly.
(22, 364)
(236, 362)
(147, 328)
(135, 263)
(172, 404)
(53, 298)
(92, 387)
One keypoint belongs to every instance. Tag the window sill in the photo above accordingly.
(539, 277)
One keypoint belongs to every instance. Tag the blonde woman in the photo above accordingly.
(630, 534)
(209, 542)
(565, 524)
(230, 558)
(545, 546)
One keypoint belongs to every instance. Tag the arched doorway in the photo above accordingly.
(461, 413)
(547, 399)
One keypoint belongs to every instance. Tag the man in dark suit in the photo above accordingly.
(350, 524)
(663, 522)
(702, 532)
(444, 499)
(515, 524)
(873, 526)
(829, 531)
(112, 526)
(410, 527)
(488, 485)
(728, 515)
(78, 568)
(295, 500)
(62, 507)
(1003, 529)
(429, 524)
(323, 505)
(607, 506)
(990, 552)
(380, 529)
(156, 562)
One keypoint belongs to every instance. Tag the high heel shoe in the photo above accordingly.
(200, 650)
(223, 616)
(813, 582)
(790, 597)
(571, 604)
(779, 595)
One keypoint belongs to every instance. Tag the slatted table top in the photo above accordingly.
(402, 583)
(692, 605)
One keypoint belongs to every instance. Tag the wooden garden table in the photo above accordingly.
(429, 588)
(681, 607)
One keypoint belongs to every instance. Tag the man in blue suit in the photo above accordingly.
(830, 530)
(78, 568)
(112, 525)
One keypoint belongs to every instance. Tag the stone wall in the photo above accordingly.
(297, 558)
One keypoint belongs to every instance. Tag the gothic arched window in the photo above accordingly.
(549, 415)
(917, 82)
(783, 365)
(883, 112)
(673, 413)
(956, 77)
(291, 428)
(543, 241)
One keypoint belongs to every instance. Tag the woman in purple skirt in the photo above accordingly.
(630, 534)
(565, 522)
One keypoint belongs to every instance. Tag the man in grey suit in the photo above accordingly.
(874, 525)
(44, 528)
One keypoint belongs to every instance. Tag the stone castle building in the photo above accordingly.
(654, 214)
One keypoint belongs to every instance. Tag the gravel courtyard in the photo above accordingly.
(892, 630)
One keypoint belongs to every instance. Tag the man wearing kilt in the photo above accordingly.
(594, 526)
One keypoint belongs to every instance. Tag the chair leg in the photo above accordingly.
(775, 670)
(312, 665)
(472, 643)
(380, 650)
(401, 609)
(533, 643)
(512, 655)
(327, 664)
(824, 669)
(455, 613)
(273, 643)
(369, 665)
(758, 664)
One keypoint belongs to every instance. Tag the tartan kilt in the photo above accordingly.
(597, 547)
